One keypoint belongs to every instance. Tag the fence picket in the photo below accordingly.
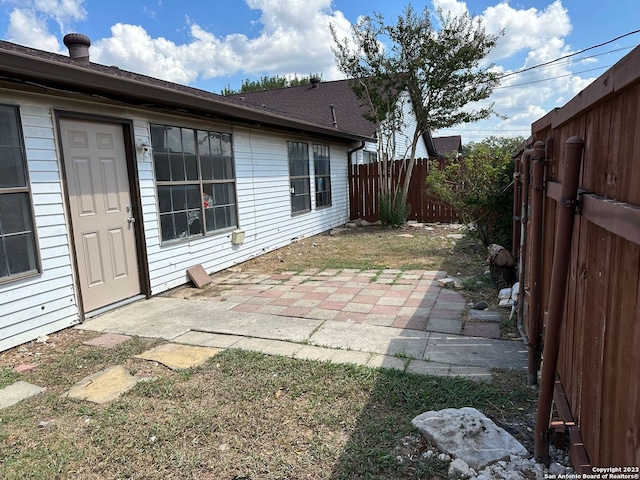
(364, 187)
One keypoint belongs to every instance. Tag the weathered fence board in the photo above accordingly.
(600, 333)
(364, 186)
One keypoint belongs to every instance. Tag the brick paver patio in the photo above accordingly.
(408, 300)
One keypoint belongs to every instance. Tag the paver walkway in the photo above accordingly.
(380, 318)
(390, 298)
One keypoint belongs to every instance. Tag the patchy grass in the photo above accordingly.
(247, 416)
(241, 415)
(377, 248)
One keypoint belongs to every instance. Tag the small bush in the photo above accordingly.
(393, 208)
(479, 187)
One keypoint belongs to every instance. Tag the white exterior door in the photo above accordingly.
(100, 210)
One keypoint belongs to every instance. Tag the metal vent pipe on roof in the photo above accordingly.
(78, 45)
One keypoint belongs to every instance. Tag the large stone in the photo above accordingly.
(104, 386)
(16, 392)
(467, 434)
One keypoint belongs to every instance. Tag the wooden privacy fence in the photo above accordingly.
(577, 207)
(364, 185)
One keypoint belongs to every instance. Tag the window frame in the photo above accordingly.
(317, 158)
(296, 178)
(202, 184)
(26, 189)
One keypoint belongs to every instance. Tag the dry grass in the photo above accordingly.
(246, 415)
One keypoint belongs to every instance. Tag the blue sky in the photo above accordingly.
(212, 44)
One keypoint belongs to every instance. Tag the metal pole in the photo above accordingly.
(517, 204)
(522, 266)
(561, 257)
(535, 261)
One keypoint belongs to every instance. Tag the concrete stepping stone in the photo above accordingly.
(104, 386)
(108, 340)
(485, 315)
(177, 356)
(16, 392)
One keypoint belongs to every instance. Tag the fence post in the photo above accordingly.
(558, 289)
(535, 247)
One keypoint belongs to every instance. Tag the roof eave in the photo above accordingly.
(78, 78)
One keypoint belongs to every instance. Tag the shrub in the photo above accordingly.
(393, 208)
(478, 187)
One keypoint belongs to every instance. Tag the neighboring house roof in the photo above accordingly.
(333, 104)
(448, 144)
(45, 72)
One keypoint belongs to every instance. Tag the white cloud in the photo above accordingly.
(535, 36)
(29, 23)
(26, 28)
(295, 38)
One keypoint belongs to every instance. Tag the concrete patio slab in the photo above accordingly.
(475, 351)
(104, 386)
(16, 392)
(309, 352)
(371, 338)
(155, 318)
(256, 324)
(444, 325)
(387, 361)
(422, 367)
(268, 346)
(178, 356)
(205, 339)
(350, 356)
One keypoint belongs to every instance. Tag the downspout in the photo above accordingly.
(536, 266)
(353, 150)
(558, 288)
(524, 218)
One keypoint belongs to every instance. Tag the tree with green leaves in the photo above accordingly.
(432, 63)
(268, 83)
(478, 186)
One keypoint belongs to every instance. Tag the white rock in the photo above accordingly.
(556, 469)
(461, 467)
(467, 434)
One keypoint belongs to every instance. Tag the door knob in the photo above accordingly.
(131, 220)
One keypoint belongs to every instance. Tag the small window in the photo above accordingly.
(369, 157)
(18, 251)
(299, 177)
(195, 181)
(322, 170)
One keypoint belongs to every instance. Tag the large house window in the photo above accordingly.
(322, 169)
(195, 179)
(18, 252)
(299, 177)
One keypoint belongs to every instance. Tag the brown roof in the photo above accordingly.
(314, 103)
(46, 70)
(448, 144)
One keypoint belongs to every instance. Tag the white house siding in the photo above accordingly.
(44, 303)
(264, 208)
(404, 137)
